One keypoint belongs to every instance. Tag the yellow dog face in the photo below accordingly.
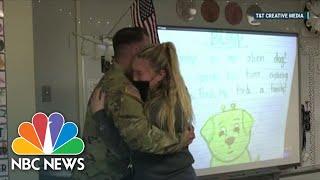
(228, 134)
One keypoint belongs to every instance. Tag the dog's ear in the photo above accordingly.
(247, 122)
(207, 131)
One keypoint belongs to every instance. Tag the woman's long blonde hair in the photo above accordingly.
(172, 91)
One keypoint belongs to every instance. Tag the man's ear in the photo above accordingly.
(247, 122)
(207, 131)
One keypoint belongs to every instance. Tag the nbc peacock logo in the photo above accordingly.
(47, 136)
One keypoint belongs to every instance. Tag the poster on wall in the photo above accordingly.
(1, 27)
(1, 44)
(2, 97)
(3, 103)
(3, 114)
(2, 62)
(3, 132)
(2, 79)
(1, 9)
(3, 150)
(4, 167)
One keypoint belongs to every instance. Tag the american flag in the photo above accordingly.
(143, 15)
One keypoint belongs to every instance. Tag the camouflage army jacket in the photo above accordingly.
(124, 110)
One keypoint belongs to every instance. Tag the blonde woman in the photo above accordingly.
(156, 73)
(169, 106)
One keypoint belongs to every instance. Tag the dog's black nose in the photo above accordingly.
(229, 140)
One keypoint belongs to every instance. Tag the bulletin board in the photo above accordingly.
(3, 102)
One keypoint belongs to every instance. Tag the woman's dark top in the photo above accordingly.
(174, 166)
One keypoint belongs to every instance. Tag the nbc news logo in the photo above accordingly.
(49, 136)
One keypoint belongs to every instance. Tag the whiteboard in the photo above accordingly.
(245, 94)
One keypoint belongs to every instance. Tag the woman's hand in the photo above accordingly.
(188, 135)
(191, 134)
(97, 100)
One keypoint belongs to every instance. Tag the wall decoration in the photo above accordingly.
(233, 13)
(3, 97)
(1, 9)
(2, 62)
(251, 11)
(3, 114)
(1, 27)
(1, 44)
(210, 10)
(3, 150)
(4, 162)
(186, 9)
(145, 17)
(4, 167)
(313, 23)
(3, 132)
(2, 79)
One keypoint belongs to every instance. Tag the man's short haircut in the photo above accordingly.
(126, 36)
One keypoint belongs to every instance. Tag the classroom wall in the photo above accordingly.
(55, 57)
(105, 11)
(20, 71)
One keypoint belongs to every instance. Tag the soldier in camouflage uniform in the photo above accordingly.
(107, 157)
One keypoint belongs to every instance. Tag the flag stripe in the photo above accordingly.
(143, 15)
(150, 20)
(145, 24)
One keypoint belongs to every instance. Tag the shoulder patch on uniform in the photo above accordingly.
(132, 91)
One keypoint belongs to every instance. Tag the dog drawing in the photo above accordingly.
(227, 135)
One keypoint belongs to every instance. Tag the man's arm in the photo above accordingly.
(106, 129)
(137, 131)
(104, 126)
